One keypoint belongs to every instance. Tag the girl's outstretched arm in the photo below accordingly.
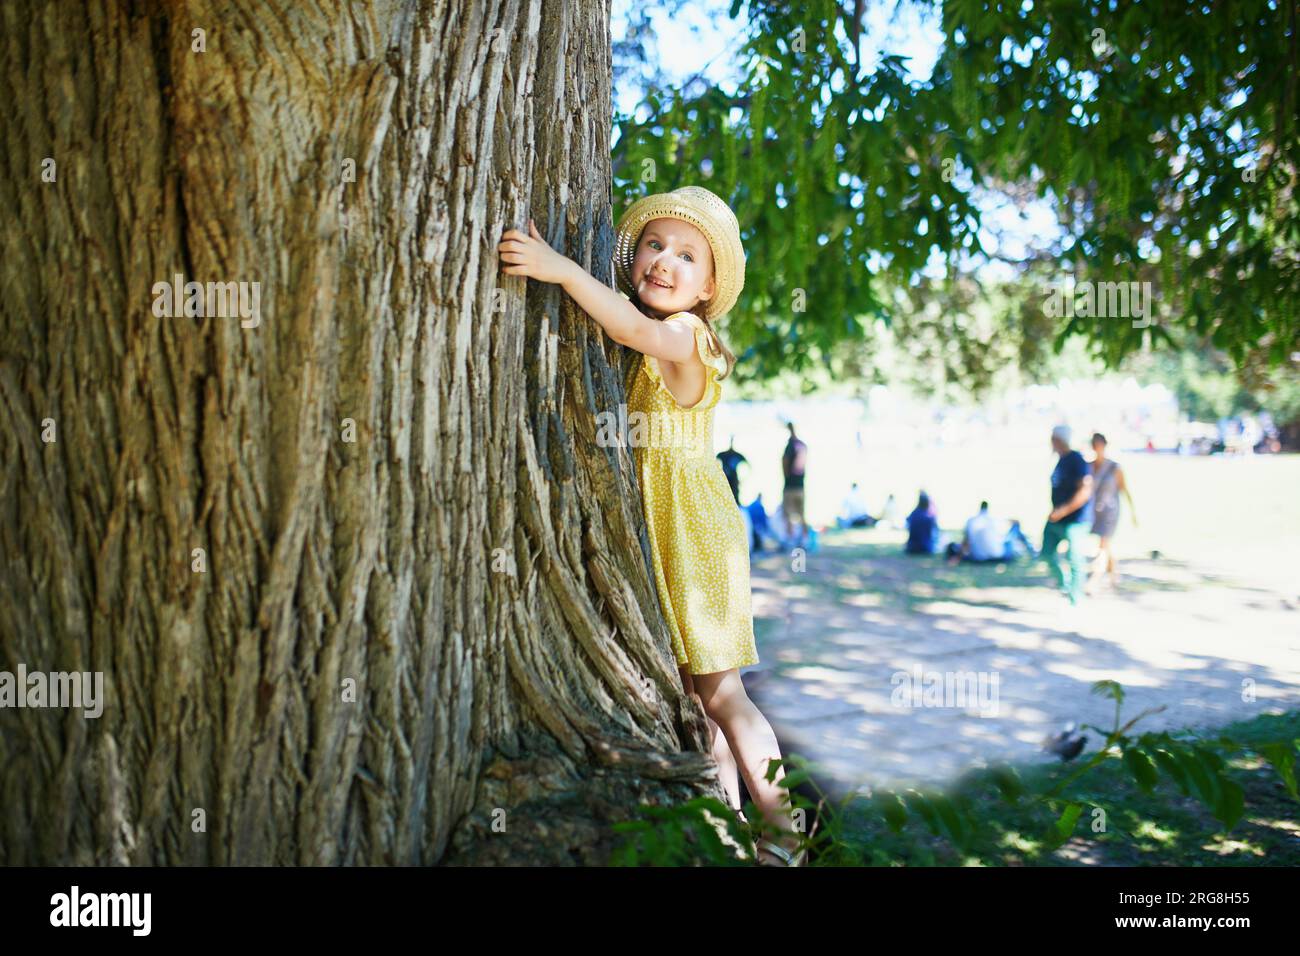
(529, 255)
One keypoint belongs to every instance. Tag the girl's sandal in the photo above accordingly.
(783, 856)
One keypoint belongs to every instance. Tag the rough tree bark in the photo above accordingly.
(473, 560)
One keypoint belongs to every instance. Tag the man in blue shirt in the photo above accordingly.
(1071, 492)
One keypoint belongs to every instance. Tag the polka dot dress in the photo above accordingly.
(697, 537)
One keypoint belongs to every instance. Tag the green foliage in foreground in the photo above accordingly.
(1152, 786)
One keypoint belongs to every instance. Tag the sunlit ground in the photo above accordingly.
(1205, 623)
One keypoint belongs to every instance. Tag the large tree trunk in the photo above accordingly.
(510, 704)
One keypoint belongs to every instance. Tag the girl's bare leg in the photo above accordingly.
(752, 742)
(727, 771)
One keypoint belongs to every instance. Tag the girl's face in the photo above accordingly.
(673, 267)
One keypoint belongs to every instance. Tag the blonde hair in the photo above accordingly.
(716, 345)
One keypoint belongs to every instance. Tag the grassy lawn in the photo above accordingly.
(1207, 525)
(1161, 828)
(911, 580)
(1238, 516)
(870, 566)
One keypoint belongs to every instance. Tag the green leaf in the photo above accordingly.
(1008, 782)
(1065, 825)
(711, 843)
(1202, 776)
(1109, 688)
(1282, 758)
(795, 778)
(894, 811)
(1232, 803)
(952, 821)
(1141, 767)
(1173, 768)
(921, 805)
(1211, 759)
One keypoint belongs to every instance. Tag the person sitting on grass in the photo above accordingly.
(922, 528)
(760, 527)
(988, 539)
(853, 512)
(889, 514)
(984, 540)
(1017, 545)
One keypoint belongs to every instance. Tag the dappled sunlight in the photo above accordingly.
(1226, 846)
(1290, 826)
(965, 610)
(826, 674)
(1150, 830)
(835, 634)
(982, 729)
(863, 599)
(1061, 646)
(1128, 676)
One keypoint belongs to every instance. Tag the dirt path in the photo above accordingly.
(833, 636)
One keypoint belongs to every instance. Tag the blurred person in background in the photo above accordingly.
(731, 460)
(793, 465)
(889, 514)
(922, 528)
(1108, 484)
(853, 511)
(985, 539)
(760, 528)
(1071, 491)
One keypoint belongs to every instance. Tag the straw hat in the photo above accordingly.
(707, 213)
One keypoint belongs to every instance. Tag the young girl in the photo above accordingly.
(679, 258)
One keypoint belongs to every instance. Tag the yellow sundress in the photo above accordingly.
(697, 536)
